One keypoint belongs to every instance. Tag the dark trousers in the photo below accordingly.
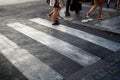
(68, 5)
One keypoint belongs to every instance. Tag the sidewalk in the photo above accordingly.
(110, 22)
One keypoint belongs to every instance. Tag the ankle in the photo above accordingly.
(100, 17)
(88, 14)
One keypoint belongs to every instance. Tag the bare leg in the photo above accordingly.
(108, 2)
(50, 14)
(101, 5)
(93, 7)
(55, 14)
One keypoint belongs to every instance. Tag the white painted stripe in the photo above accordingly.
(113, 46)
(82, 57)
(30, 66)
(5, 43)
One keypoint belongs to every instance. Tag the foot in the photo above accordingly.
(88, 15)
(67, 14)
(118, 8)
(115, 6)
(108, 6)
(48, 15)
(77, 11)
(100, 17)
(56, 23)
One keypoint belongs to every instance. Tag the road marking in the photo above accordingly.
(80, 56)
(30, 66)
(5, 43)
(113, 46)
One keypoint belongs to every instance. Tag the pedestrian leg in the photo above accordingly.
(115, 4)
(92, 8)
(67, 13)
(100, 9)
(118, 3)
(108, 3)
(50, 14)
(55, 15)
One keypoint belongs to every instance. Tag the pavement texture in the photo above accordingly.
(109, 69)
(105, 69)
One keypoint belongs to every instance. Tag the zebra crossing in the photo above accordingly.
(30, 66)
(82, 57)
(80, 34)
(34, 68)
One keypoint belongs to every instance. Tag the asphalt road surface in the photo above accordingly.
(32, 49)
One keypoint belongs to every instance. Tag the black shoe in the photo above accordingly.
(67, 14)
(108, 6)
(115, 6)
(77, 11)
(56, 23)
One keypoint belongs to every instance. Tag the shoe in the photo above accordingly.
(48, 15)
(67, 14)
(100, 17)
(77, 11)
(88, 15)
(108, 6)
(115, 6)
(118, 8)
(56, 23)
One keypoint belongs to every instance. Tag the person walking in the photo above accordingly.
(96, 2)
(56, 4)
(73, 5)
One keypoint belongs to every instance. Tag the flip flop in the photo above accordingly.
(84, 21)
